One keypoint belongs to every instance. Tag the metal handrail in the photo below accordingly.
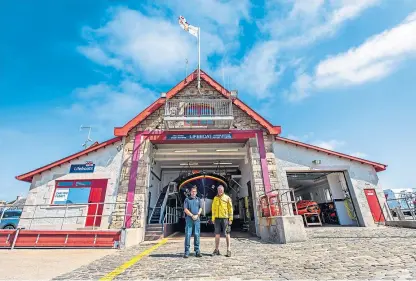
(65, 216)
(410, 209)
(171, 215)
(282, 203)
(163, 206)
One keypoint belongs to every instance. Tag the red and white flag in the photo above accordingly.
(187, 27)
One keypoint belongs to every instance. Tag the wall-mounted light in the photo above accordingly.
(223, 163)
(185, 151)
(234, 93)
(316, 162)
(190, 164)
(227, 150)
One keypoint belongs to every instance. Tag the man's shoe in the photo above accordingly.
(198, 255)
(185, 256)
(228, 254)
(216, 252)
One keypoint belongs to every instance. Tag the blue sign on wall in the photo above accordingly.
(199, 136)
(82, 168)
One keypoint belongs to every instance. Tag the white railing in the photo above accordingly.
(171, 215)
(402, 206)
(198, 109)
(163, 206)
(70, 216)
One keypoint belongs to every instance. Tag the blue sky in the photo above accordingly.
(339, 74)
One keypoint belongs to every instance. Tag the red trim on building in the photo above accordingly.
(29, 176)
(59, 238)
(377, 166)
(123, 131)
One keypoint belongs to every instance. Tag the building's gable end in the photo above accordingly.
(242, 120)
(190, 92)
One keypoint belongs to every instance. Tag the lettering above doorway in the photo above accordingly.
(198, 136)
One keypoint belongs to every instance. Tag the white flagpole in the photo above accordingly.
(199, 58)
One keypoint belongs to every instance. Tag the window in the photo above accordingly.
(11, 214)
(72, 192)
(311, 195)
(197, 110)
(328, 195)
(298, 198)
(65, 183)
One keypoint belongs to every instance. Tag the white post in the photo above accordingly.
(199, 58)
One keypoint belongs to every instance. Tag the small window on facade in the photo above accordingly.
(78, 195)
(11, 214)
(298, 198)
(328, 195)
(65, 183)
(83, 183)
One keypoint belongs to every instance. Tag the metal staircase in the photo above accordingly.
(157, 214)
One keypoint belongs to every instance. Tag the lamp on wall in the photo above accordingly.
(316, 162)
(233, 94)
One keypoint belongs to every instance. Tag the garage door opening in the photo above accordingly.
(323, 198)
(173, 162)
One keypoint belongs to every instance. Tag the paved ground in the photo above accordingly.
(330, 253)
(45, 264)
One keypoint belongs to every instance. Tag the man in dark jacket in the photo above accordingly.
(193, 209)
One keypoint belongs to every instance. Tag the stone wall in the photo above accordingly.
(140, 193)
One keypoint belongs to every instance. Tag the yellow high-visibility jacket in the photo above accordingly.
(222, 207)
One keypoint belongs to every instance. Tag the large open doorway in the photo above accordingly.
(172, 161)
(323, 198)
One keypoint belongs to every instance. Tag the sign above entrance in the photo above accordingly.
(88, 167)
(199, 136)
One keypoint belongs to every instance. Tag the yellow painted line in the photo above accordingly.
(135, 259)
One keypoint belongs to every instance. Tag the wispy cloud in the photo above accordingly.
(332, 144)
(376, 58)
(152, 46)
(290, 24)
(308, 21)
(108, 104)
(215, 17)
(258, 71)
(359, 154)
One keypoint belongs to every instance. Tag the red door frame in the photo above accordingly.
(374, 204)
(160, 137)
(97, 195)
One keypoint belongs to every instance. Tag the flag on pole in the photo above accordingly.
(187, 27)
(195, 31)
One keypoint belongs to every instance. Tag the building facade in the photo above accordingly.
(121, 182)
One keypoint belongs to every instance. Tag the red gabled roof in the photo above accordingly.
(95, 146)
(123, 131)
(377, 166)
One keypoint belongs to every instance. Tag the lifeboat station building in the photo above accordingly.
(135, 183)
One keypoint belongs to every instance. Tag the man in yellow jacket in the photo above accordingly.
(222, 217)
